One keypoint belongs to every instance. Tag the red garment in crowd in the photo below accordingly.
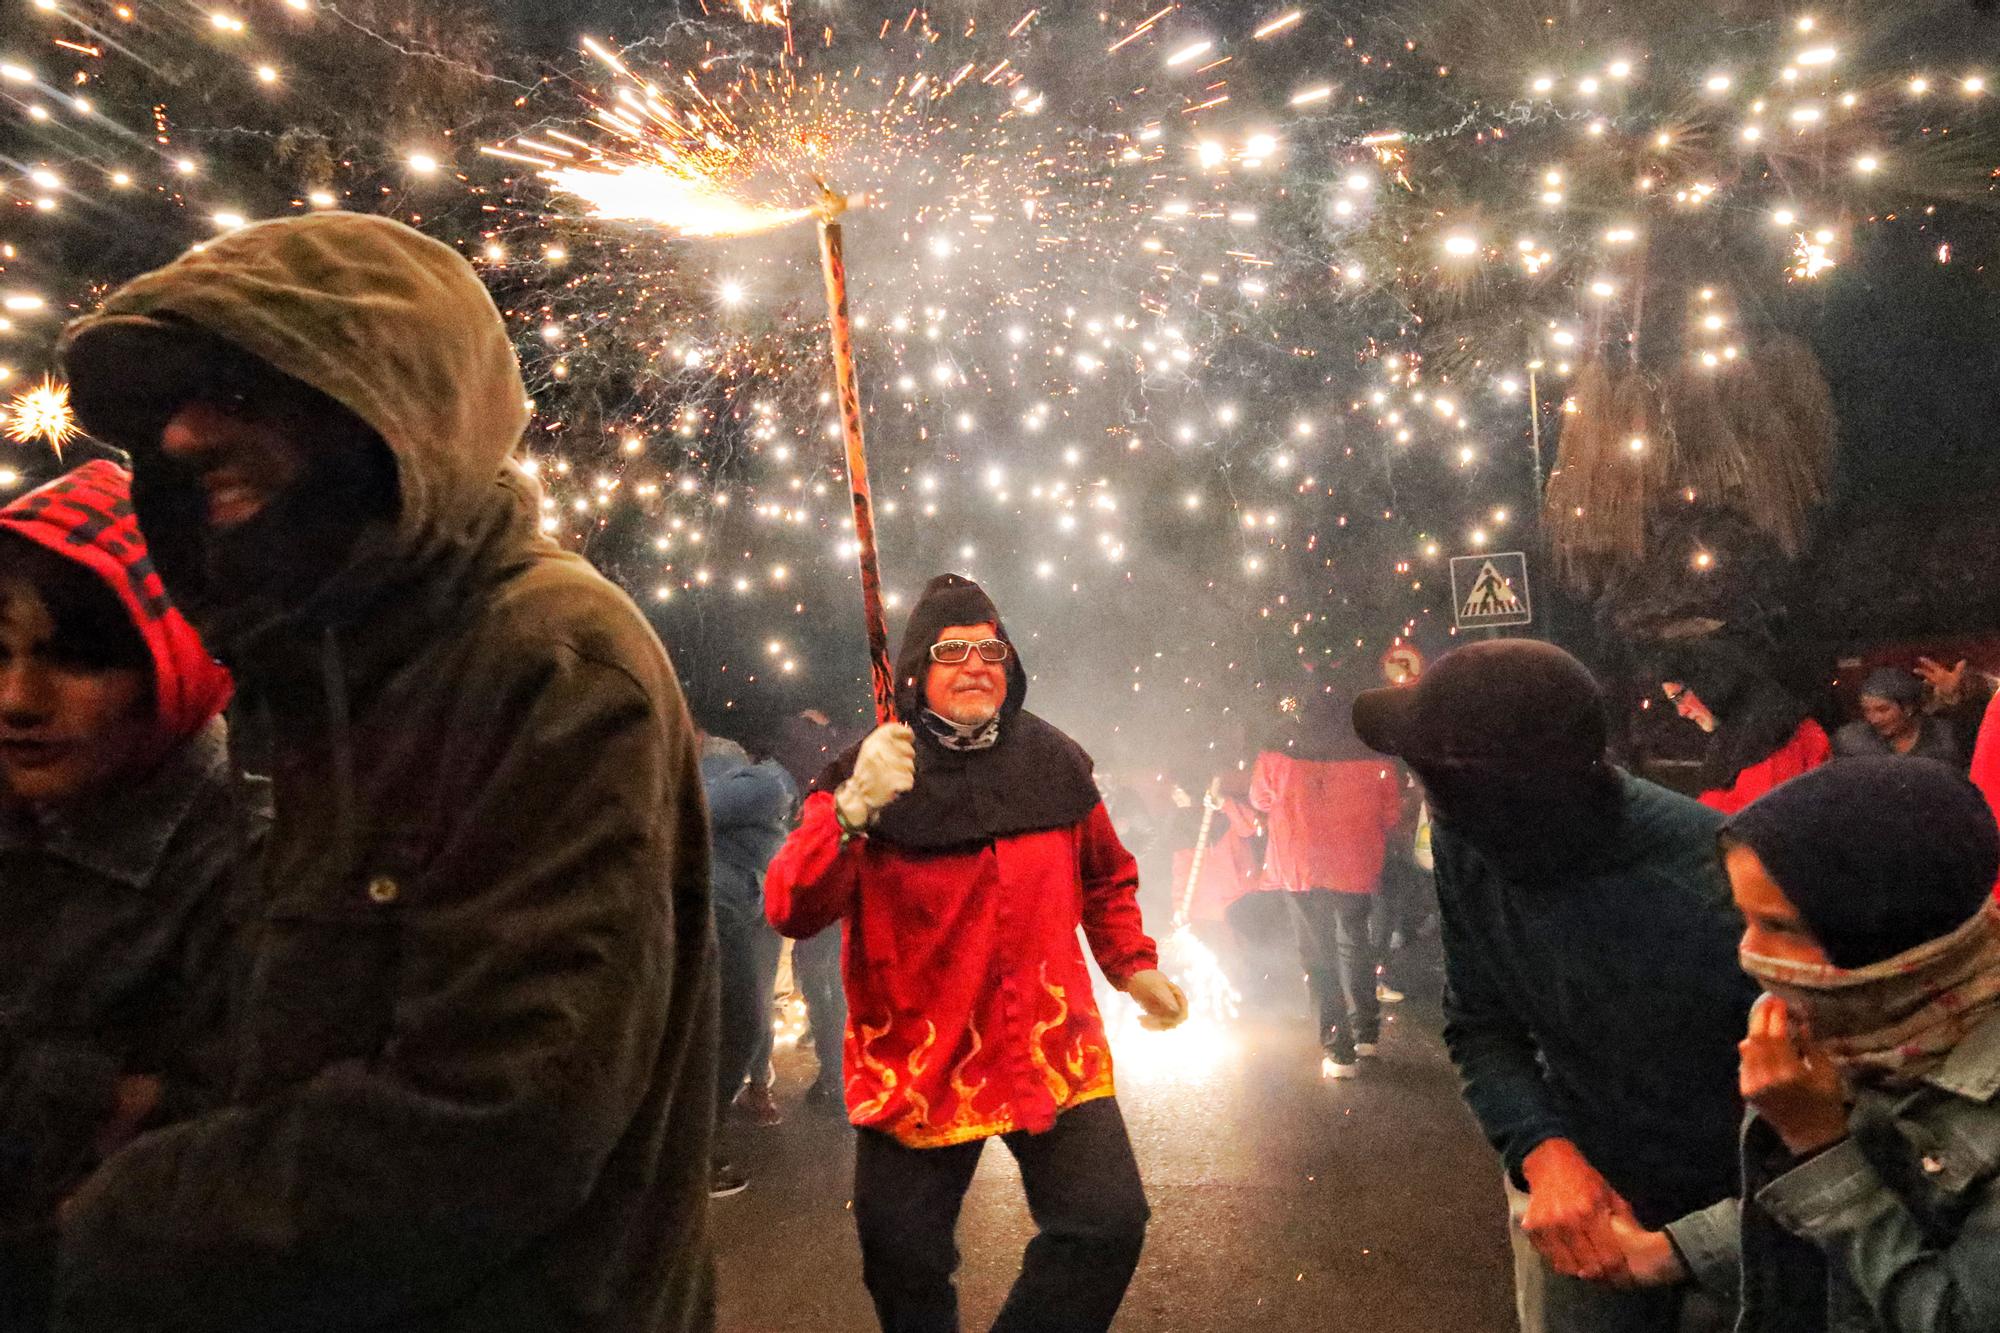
(1986, 761)
(1806, 750)
(969, 1006)
(1329, 822)
(86, 515)
(1228, 870)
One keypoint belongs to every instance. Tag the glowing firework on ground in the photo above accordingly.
(1193, 1048)
(42, 413)
(1213, 1003)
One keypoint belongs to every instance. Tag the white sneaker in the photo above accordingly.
(1332, 1068)
(1364, 1048)
(1387, 994)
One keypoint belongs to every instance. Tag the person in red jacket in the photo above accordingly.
(1986, 762)
(1330, 805)
(961, 851)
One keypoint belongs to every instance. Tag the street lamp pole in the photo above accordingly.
(1535, 429)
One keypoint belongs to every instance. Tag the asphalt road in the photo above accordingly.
(1279, 1202)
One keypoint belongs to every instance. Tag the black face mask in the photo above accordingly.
(228, 582)
(1529, 825)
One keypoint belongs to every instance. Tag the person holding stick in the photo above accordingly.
(961, 850)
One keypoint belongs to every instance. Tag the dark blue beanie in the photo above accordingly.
(1879, 855)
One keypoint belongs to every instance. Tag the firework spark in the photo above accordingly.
(42, 413)
(673, 193)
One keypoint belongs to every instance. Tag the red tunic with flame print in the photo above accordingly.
(969, 1009)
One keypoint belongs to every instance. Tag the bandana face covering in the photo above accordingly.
(1893, 1023)
(952, 736)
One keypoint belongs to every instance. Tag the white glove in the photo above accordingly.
(885, 768)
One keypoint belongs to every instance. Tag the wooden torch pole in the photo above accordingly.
(832, 261)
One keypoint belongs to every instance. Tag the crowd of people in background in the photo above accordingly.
(1612, 1078)
(1309, 859)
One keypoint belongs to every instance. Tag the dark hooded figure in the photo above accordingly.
(474, 1036)
(1759, 733)
(1592, 999)
(961, 850)
(1871, 1161)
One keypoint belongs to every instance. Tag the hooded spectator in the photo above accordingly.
(1869, 1202)
(120, 830)
(1759, 733)
(1592, 999)
(475, 1040)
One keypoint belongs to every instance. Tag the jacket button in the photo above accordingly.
(1933, 1165)
(383, 890)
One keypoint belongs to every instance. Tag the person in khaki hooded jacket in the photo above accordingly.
(474, 1029)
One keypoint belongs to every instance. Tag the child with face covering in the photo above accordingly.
(1871, 1162)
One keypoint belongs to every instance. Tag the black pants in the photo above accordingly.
(1267, 953)
(1340, 967)
(1083, 1191)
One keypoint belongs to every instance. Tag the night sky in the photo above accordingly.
(1126, 296)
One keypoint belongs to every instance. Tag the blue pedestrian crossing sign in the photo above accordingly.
(1490, 591)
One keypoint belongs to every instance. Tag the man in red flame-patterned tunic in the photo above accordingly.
(961, 852)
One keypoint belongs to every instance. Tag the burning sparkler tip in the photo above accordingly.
(832, 203)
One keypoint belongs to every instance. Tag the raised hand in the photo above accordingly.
(1947, 683)
(1789, 1079)
(884, 769)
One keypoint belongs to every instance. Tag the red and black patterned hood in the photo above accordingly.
(86, 516)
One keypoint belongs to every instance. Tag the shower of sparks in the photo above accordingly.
(43, 414)
(775, 13)
(668, 194)
(1812, 255)
(692, 167)
(1199, 973)
(1114, 254)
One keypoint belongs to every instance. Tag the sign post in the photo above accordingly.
(1402, 664)
(1491, 591)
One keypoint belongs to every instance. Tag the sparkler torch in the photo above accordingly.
(833, 262)
(1186, 904)
(1212, 1000)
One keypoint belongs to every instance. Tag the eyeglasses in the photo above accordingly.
(953, 651)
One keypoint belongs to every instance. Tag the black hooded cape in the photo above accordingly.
(1033, 778)
(1755, 716)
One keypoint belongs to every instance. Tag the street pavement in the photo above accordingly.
(1279, 1202)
